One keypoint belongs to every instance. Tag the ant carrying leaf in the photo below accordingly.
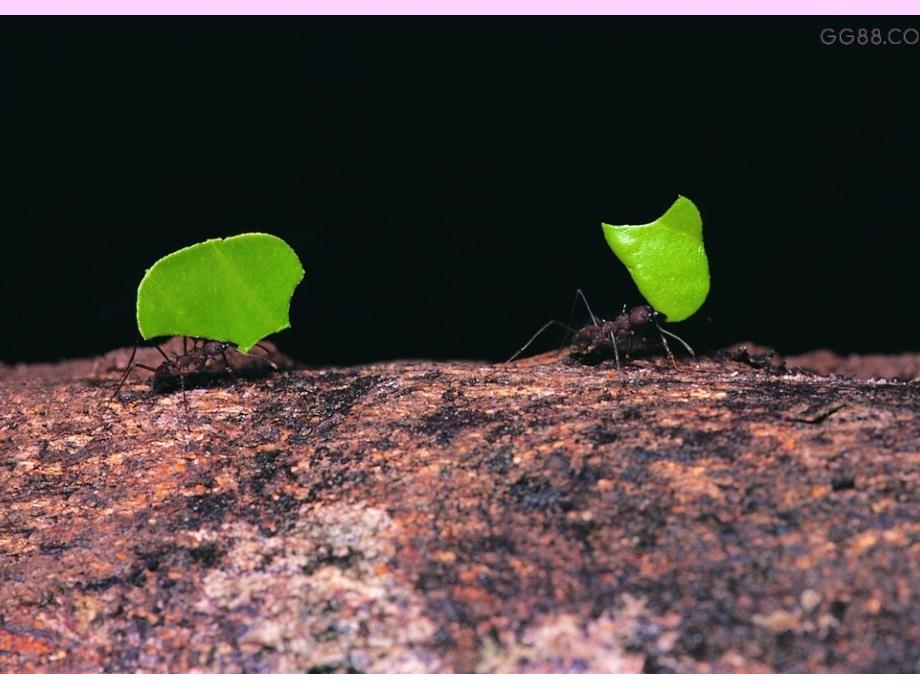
(223, 294)
(623, 334)
(667, 261)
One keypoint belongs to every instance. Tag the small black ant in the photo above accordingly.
(594, 341)
(189, 363)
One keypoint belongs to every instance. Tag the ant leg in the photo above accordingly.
(137, 365)
(594, 320)
(230, 370)
(535, 336)
(124, 376)
(664, 342)
(667, 349)
(184, 402)
(128, 369)
(165, 356)
(616, 350)
(267, 352)
(578, 293)
(663, 333)
(181, 376)
(613, 338)
(184, 345)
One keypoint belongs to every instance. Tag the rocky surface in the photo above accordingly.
(419, 516)
(904, 367)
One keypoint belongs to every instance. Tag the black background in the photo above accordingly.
(443, 179)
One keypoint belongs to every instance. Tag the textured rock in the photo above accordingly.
(415, 516)
(905, 367)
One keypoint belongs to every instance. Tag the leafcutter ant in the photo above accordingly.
(191, 362)
(593, 342)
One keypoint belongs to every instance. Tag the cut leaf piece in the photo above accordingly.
(236, 290)
(666, 259)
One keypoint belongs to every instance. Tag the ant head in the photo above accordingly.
(214, 347)
(642, 315)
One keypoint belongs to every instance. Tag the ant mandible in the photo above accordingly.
(593, 340)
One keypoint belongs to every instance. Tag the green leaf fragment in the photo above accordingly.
(666, 259)
(236, 290)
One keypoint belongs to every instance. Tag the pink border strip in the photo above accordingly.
(451, 7)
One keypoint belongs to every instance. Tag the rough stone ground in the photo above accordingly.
(419, 516)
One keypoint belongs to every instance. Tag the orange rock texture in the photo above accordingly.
(541, 516)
